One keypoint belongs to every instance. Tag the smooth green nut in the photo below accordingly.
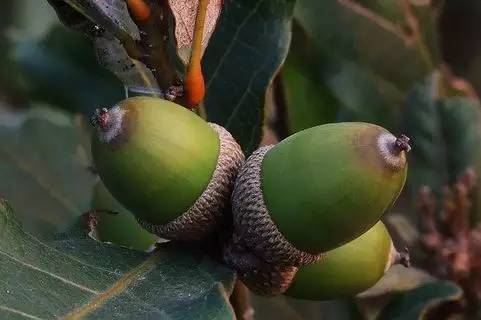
(317, 190)
(165, 164)
(115, 224)
(347, 270)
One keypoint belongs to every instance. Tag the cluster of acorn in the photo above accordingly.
(305, 212)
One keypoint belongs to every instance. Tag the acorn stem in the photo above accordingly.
(403, 258)
(402, 144)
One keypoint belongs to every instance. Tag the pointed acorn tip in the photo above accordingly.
(403, 258)
(100, 119)
(108, 122)
(402, 143)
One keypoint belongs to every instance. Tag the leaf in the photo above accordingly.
(286, 308)
(73, 278)
(461, 124)
(112, 30)
(111, 15)
(359, 62)
(62, 70)
(422, 123)
(184, 13)
(43, 169)
(416, 303)
(397, 279)
(445, 133)
(309, 100)
(362, 37)
(247, 48)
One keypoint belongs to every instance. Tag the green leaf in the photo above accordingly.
(363, 37)
(62, 70)
(461, 119)
(422, 123)
(445, 135)
(416, 303)
(81, 278)
(360, 62)
(309, 101)
(43, 169)
(286, 308)
(245, 51)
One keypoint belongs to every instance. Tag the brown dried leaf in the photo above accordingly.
(184, 13)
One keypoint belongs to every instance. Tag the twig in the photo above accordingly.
(377, 19)
(154, 38)
(241, 302)
(413, 24)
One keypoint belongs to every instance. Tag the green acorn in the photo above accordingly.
(349, 269)
(165, 164)
(316, 190)
(115, 224)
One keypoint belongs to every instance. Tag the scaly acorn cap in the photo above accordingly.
(317, 190)
(349, 269)
(165, 164)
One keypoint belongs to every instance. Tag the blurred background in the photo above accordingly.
(413, 67)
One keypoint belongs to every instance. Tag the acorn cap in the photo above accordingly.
(260, 277)
(205, 215)
(252, 222)
(166, 165)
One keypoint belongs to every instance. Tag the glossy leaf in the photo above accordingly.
(75, 277)
(245, 51)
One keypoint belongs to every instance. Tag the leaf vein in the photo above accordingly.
(117, 288)
(231, 43)
(20, 313)
(24, 166)
(64, 280)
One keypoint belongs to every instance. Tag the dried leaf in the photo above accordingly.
(184, 13)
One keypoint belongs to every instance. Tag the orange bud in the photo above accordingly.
(139, 9)
(194, 87)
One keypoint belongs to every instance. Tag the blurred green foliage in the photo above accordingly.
(364, 60)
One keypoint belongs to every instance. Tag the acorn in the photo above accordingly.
(115, 224)
(316, 190)
(349, 269)
(167, 165)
